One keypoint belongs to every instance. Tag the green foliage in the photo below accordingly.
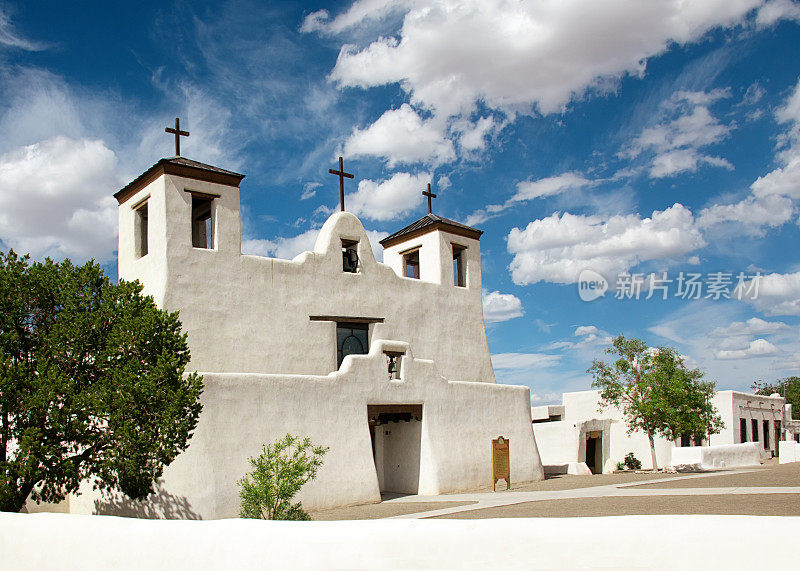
(789, 388)
(92, 383)
(278, 473)
(631, 462)
(655, 391)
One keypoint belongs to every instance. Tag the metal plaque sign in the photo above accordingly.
(501, 467)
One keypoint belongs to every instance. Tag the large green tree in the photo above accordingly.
(656, 392)
(92, 383)
(789, 388)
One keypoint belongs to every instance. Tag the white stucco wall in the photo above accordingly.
(735, 405)
(561, 442)
(55, 541)
(269, 369)
(719, 456)
(225, 297)
(243, 411)
(789, 451)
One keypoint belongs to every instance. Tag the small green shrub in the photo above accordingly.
(631, 463)
(277, 475)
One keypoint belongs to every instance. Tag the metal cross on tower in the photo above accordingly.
(341, 174)
(178, 134)
(430, 195)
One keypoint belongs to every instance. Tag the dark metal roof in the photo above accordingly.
(428, 223)
(180, 166)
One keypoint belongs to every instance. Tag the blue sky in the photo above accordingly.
(642, 141)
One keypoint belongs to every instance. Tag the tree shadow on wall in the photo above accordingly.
(158, 505)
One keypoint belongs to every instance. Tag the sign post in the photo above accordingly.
(501, 466)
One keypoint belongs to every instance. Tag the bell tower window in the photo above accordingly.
(351, 339)
(140, 230)
(350, 256)
(411, 264)
(202, 222)
(459, 266)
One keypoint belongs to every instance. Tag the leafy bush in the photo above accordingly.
(278, 473)
(631, 463)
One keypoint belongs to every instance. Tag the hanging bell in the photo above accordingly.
(392, 366)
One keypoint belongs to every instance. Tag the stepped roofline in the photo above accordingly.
(429, 223)
(179, 166)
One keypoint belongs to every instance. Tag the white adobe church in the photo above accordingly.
(385, 363)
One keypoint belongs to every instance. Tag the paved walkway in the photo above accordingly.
(768, 490)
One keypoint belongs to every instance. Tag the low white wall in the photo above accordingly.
(241, 412)
(789, 451)
(557, 442)
(724, 456)
(58, 541)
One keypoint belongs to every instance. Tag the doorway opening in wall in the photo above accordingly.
(766, 436)
(396, 434)
(594, 451)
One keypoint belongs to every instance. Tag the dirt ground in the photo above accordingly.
(768, 475)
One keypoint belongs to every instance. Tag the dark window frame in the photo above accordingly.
(411, 262)
(141, 229)
(351, 327)
(202, 218)
(459, 265)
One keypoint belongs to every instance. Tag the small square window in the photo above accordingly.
(459, 266)
(411, 264)
(202, 222)
(140, 230)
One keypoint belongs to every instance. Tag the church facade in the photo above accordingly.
(387, 364)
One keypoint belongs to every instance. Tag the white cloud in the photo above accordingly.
(259, 247)
(556, 249)
(499, 307)
(756, 348)
(698, 328)
(10, 38)
(586, 330)
(674, 142)
(472, 135)
(309, 190)
(444, 182)
(283, 247)
(359, 12)
(754, 214)
(777, 294)
(776, 10)
(785, 180)
(516, 361)
(402, 136)
(288, 247)
(510, 54)
(56, 199)
(388, 199)
(590, 337)
(771, 202)
(753, 326)
(528, 190)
